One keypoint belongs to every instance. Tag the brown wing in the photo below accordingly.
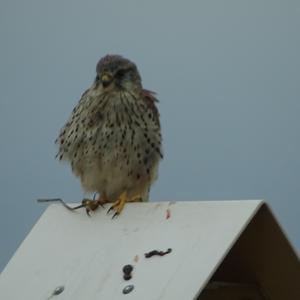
(150, 100)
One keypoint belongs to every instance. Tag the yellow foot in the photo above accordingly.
(120, 203)
(137, 198)
(92, 205)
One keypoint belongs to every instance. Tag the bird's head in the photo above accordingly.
(115, 72)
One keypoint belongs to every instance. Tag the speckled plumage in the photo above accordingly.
(112, 139)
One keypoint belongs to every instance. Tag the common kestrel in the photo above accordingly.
(113, 139)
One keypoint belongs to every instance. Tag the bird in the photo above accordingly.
(112, 139)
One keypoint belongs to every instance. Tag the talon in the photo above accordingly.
(120, 203)
(92, 205)
(88, 211)
(115, 214)
(108, 211)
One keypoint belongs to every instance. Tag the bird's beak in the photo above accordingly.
(106, 79)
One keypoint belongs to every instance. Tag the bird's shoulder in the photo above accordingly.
(149, 97)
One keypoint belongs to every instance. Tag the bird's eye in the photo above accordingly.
(120, 73)
(97, 78)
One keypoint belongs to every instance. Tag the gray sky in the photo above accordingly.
(226, 73)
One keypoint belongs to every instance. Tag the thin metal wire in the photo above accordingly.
(59, 200)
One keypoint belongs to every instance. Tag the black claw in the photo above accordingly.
(88, 212)
(109, 210)
(115, 214)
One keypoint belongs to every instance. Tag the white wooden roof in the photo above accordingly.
(86, 254)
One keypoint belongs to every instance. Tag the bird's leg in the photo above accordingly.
(92, 205)
(120, 203)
